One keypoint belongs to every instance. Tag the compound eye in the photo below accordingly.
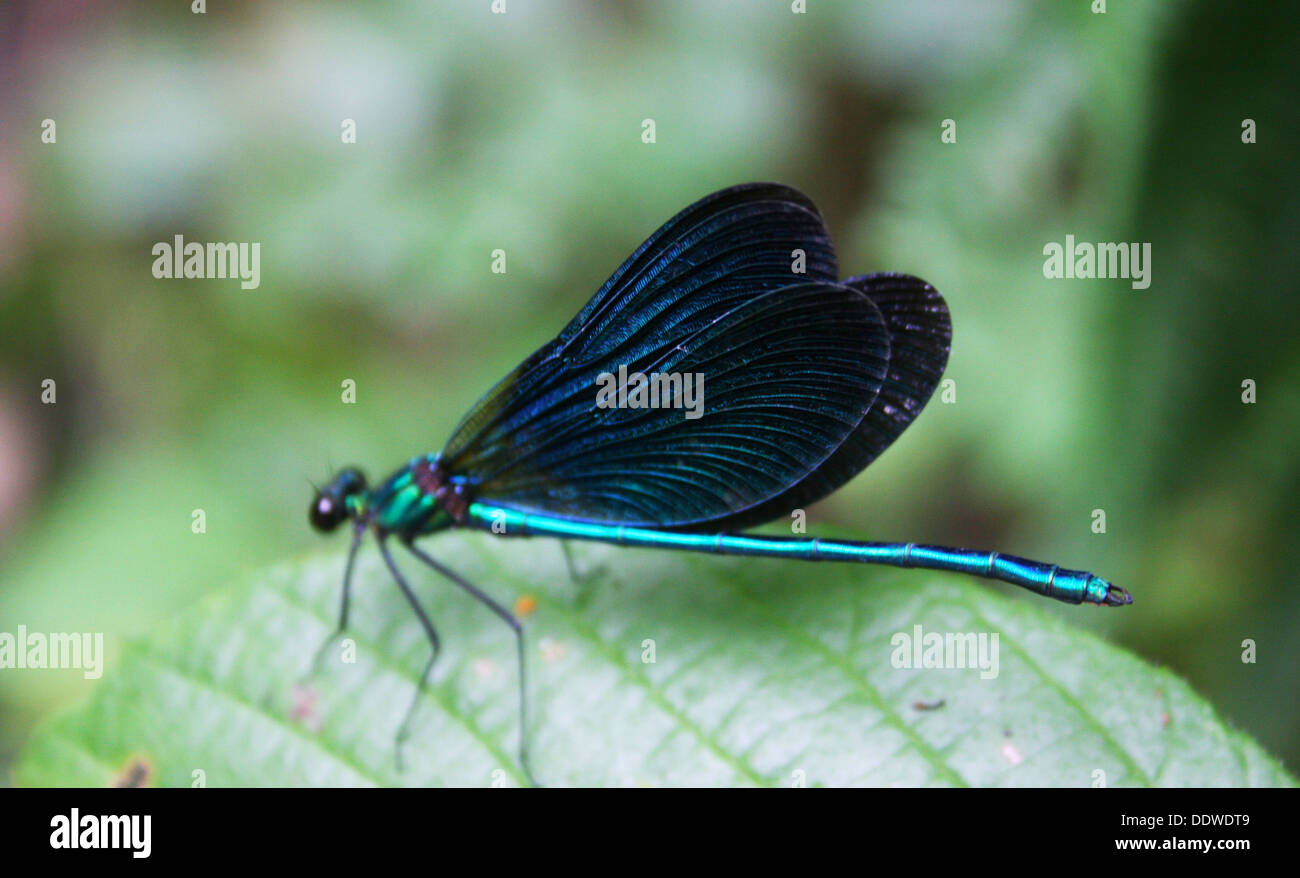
(351, 481)
(325, 513)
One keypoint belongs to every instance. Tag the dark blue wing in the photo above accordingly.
(788, 376)
(723, 250)
(920, 336)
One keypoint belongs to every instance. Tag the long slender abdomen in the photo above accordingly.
(1049, 580)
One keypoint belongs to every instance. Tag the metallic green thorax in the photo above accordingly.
(414, 500)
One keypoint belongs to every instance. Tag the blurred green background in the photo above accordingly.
(523, 132)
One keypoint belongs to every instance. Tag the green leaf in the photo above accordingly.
(764, 673)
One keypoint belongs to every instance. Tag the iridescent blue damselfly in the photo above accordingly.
(809, 378)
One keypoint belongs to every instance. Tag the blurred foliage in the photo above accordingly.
(523, 132)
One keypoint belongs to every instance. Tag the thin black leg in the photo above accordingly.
(429, 630)
(518, 629)
(568, 560)
(343, 610)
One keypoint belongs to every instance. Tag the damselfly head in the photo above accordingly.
(337, 500)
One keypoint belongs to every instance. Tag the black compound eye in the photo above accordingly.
(325, 513)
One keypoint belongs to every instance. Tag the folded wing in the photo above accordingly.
(787, 376)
